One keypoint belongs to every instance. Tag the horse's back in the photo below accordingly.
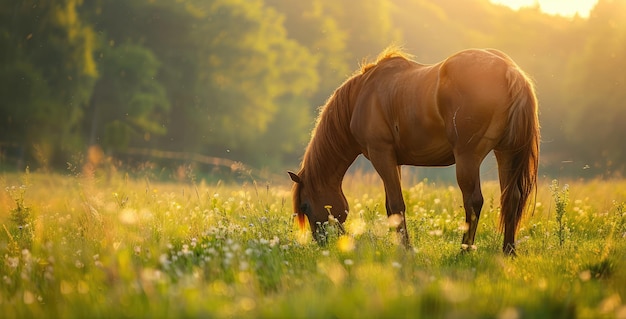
(473, 96)
(396, 108)
(479, 76)
(425, 112)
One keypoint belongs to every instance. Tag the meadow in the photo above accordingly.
(113, 246)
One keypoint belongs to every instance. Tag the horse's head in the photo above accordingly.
(320, 205)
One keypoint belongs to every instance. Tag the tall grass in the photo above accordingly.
(126, 248)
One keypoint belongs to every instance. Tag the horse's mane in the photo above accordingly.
(332, 129)
(331, 132)
(389, 53)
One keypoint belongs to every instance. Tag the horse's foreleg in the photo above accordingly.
(468, 177)
(389, 171)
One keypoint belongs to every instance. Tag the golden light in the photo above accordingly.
(554, 7)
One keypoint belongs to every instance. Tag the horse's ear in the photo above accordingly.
(294, 177)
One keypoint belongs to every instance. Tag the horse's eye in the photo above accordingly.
(304, 208)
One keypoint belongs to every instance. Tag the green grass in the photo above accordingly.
(76, 247)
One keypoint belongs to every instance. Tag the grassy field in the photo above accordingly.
(76, 247)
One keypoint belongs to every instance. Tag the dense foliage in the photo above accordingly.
(243, 79)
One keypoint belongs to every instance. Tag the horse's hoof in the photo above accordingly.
(465, 248)
(509, 250)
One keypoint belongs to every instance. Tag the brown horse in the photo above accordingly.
(398, 112)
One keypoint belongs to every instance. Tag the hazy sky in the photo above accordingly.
(560, 7)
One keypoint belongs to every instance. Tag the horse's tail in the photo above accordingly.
(521, 142)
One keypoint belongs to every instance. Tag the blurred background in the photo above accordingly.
(235, 85)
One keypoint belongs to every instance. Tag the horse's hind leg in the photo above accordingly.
(468, 178)
(509, 198)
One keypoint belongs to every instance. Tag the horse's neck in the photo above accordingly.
(330, 164)
(338, 169)
(332, 148)
(331, 158)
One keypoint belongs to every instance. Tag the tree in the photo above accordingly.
(594, 122)
(226, 66)
(128, 101)
(245, 68)
(161, 32)
(46, 76)
(311, 24)
(368, 26)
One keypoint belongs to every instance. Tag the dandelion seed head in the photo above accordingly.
(356, 226)
(128, 216)
(585, 275)
(509, 313)
(610, 303)
(464, 227)
(436, 232)
(274, 241)
(247, 304)
(28, 297)
(164, 260)
(13, 262)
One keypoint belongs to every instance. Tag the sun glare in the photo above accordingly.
(566, 8)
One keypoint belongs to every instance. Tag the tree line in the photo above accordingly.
(243, 79)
